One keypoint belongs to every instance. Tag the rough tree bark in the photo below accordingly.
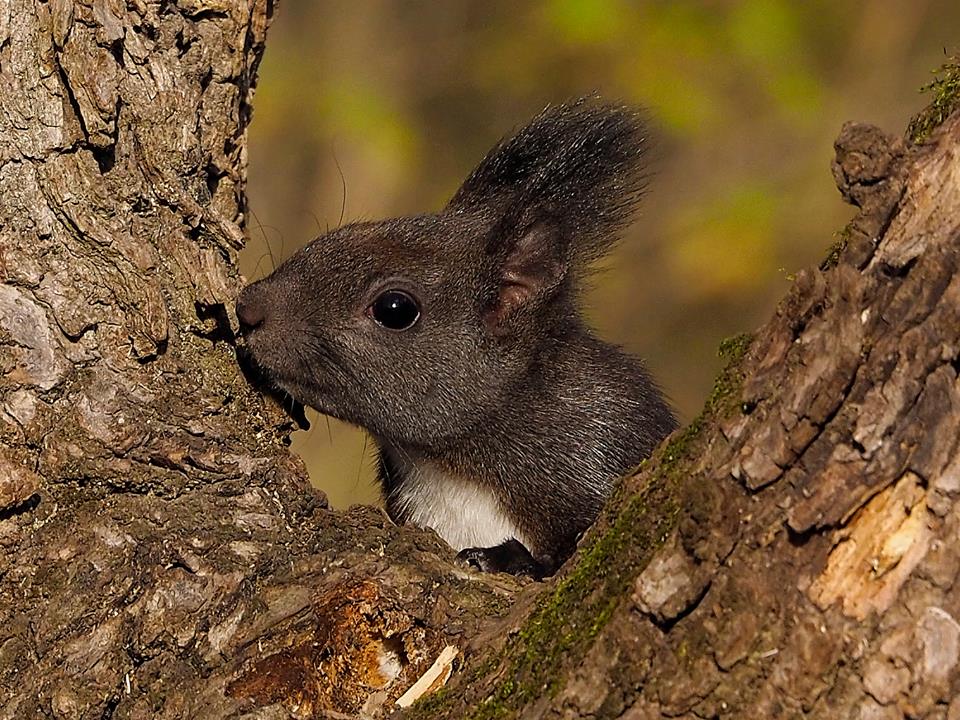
(791, 553)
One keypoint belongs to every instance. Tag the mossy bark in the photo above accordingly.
(808, 565)
(791, 553)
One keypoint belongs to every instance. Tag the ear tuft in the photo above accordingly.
(577, 168)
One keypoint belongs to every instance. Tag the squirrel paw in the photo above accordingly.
(509, 556)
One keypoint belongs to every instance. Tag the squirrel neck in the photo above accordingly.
(539, 464)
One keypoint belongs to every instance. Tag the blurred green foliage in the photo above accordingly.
(381, 107)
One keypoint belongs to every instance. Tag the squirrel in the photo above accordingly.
(456, 340)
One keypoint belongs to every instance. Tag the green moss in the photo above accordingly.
(577, 609)
(726, 389)
(836, 250)
(585, 599)
(945, 89)
(729, 381)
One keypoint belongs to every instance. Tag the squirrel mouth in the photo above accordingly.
(265, 382)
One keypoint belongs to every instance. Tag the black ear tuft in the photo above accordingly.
(576, 168)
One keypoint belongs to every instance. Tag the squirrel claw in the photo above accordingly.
(509, 556)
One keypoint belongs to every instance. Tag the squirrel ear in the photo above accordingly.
(532, 269)
(578, 167)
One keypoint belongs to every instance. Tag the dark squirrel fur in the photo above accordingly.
(502, 421)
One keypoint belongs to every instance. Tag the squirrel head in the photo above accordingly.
(415, 328)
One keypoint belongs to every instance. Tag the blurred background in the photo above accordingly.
(377, 108)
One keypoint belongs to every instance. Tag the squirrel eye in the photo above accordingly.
(395, 310)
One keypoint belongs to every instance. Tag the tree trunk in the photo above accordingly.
(812, 568)
(163, 553)
(791, 553)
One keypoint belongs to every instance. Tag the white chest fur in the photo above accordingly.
(464, 513)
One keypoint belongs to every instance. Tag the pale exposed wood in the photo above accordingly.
(433, 679)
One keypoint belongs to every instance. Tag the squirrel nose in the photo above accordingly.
(250, 312)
